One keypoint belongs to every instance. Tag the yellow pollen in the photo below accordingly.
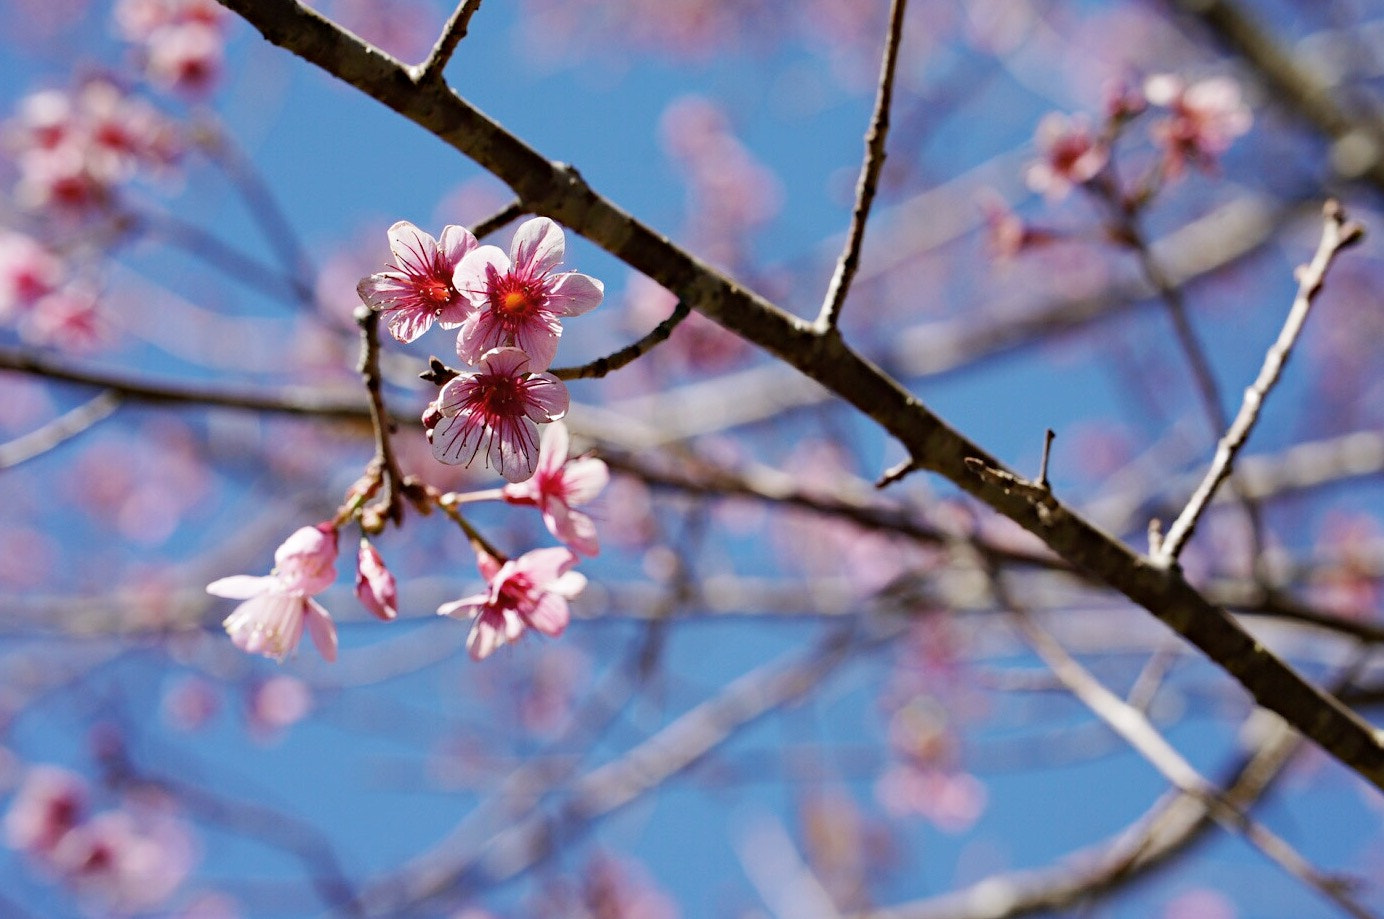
(514, 301)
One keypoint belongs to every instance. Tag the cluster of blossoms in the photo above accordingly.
(1201, 121)
(40, 298)
(180, 42)
(121, 861)
(507, 309)
(74, 147)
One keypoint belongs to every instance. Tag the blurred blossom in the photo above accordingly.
(124, 865)
(276, 607)
(530, 591)
(697, 345)
(1200, 903)
(189, 703)
(278, 703)
(73, 148)
(210, 905)
(181, 42)
(1072, 155)
(68, 318)
(375, 585)
(50, 802)
(952, 801)
(29, 271)
(609, 888)
(1350, 585)
(1206, 117)
(558, 483)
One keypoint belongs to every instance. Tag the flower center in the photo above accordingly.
(514, 298)
(502, 397)
(438, 292)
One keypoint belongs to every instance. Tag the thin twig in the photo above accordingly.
(385, 464)
(1131, 724)
(612, 362)
(869, 175)
(452, 34)
(61, 429)
(495, 221)
(1337, 234)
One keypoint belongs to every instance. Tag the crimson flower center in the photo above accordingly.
(501, 397)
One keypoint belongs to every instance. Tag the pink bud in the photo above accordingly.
(375, 584)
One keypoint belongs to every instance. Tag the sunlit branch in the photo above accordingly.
(385, 464)
(61, 429)
(1136, 730)
(869, 174)
(1337, 233)
(452, 34)
(631, 352)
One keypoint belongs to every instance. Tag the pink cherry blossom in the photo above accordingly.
(557, 484)
(1072, 155)
(270, 621)
(28, 272)
(48, 805)
(375, 584)
(519, 300)
(526, 592)
(420, 291)
(1206, 117)
(496, 412)
(124, 863)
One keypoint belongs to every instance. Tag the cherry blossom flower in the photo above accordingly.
(557, 484)
(420, 291)
(375, 584)
(526, 592)
(48, 805)
(270, 621)
(496, 412)
(28, 272)
(1206, 117)
(181, 41)
(1072, 155)
(123, 864)
(519, 300)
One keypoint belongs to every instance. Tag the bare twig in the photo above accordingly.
(869, 175)
(452, 34)
(60, 429)
(385, 464)
(612, 362)
(1131, 724)
(1337, 234)
(511, 211)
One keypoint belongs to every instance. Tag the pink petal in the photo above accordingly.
(552, 449)
(538, 339)
(584, 478)
(455, 440)
(454, 243)
(514, 452)
(506, 362)
(322, 629)
(538, 247)
(465, 608)
(375, 584)
(414, 250)
(545, 565)
(573, 294)
(575, 529)
(407, 323)
(242, 586)
(481, 333)
(547, 397)
(569, 584)
(550, 615)
(473, 273)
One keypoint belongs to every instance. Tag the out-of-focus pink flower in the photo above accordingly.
(953, 801)
(73, 148)
(496, 412)
(1072, 155)
(278, 703)
(181, 41)
(190, 703)
(69, 317)
(375, 584)
(123, 864)
(1206, 117)
(530, 591)
(48, 805)
(270, 621)
(559, 483)
(420, 291)
(28, 271)
(519, 300)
